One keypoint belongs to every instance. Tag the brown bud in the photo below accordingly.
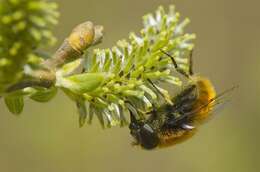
(82, 36)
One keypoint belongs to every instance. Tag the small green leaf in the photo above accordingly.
(82, 111)
(83, 83)
(43, 95)
(15, 104)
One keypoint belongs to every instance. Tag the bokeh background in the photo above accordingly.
(46, 138)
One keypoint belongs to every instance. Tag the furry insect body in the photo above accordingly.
(191, 108)
(170, 124)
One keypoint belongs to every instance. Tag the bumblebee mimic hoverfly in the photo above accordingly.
(170, 124)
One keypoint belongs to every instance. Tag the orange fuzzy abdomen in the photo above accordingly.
(205, 101)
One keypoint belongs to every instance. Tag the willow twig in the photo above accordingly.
(83, 36)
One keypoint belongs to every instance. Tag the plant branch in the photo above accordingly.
(39, 78)
(82, 37)
(131, 72)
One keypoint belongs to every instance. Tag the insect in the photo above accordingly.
(170, 124)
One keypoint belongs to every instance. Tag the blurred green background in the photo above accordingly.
(47, 138)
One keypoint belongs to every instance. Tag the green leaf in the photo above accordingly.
(82, 110)
(15, 104)
(83, 83)
(43, 95)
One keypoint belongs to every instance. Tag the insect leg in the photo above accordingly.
(132, 117)
(154, 86)
(135, 114)
(182, 72)
(191, 63)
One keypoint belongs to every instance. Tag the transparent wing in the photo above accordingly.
(216, 104)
